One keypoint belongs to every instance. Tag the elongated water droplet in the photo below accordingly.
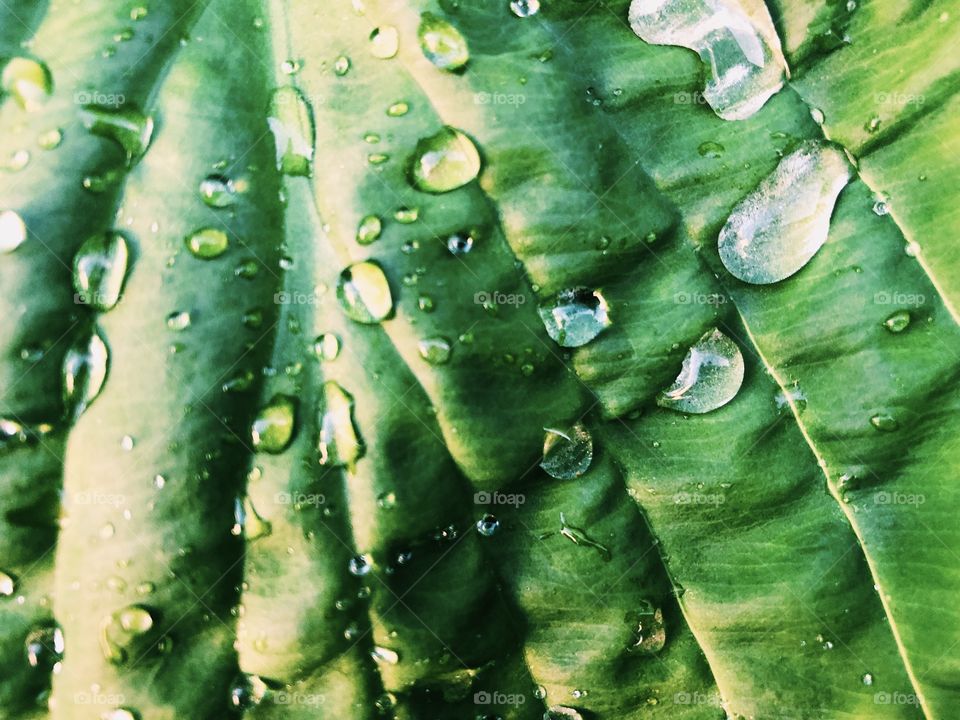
(217, 191)
(384, 42)
(99, 269)
(207, 243)
(898, 321)
(406, 215)
(435, 350)
(739, 47)
(44, 647)
(273, 427)
(123, 634)
(369, 229)
(28, 81)
(127, 126)
(340, 443)
(884, 422)
(247, 521)
(398, 109)
(291, 122)
(442, 43)
(178, 320)
(648, 628)
(13, 231)
(575, 316)
(364, 293)
(385, 655)
(444, 161)
(341, 66)
(580, 537)
(525, 8)
(84, 372)
(567, 453)
(711, 375)
(775, 231)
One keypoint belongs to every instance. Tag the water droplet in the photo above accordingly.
(44, 646)
(398, 109)
(327, 347)
(775, 231)
(50, 139)
(13, 231)
(103, 182)
(341, 66)
(740, 50)
(291, 122)
(435, 350)
(873, 125)
(120, 713)
(385, 655)
(377, 158)
(7, 585)
(867, 679)
(648, 629)
(710, 377)
(178, 320)
(444, 161)
(384, 42)
(217, 191)
(127, 442)
(207, 243)
(369, 229)
(364, 293)
(273, 427)
(881, 208)
(575, 316)
(567, 453)
(426, 304)
(247, 691)
(84, 372)
(340, 443)
(898, 321)
(247, 521)
(290, 67)
(19, 159)
(127, 126)
(252, 319)
(406, 215)
(387, 501)
(488, 525)
(561, 712)
(138, 12)
(248, 269)
(525, 8)
(460, 243)
(28, 81)
(99, 269)
(884, 422)
(711, 149)
(360, 565)
(126, 633)
(442, 43)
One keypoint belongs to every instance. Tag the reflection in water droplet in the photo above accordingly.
(460, 243)
(385, 655)
(50, 139)
(444, 161)
(217, 191)
(207, 243)
(327, 347)
(567, 453)
(44, 647)
(384, 42)
(126, 633)
(84, 372)
(360, 565)
(775, 231)
(13, 231)
(340, 443)
(711, 376)
(127, 126)
(273, 426)
(881, 208)
(364, 293)
(575, 316)
(28, 81)
(442, 43)
(898, 321)
(525, 8)
(740, 48)
(99, 269)
(291, 122)
(488, 525)
(435, 350)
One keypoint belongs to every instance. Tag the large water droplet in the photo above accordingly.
(649, 631)
(435, 350)
(207, 243)
(384, 42)
(711, 375)
(575, 316)
(273, 427)
(28, 81)
(340, 443)
(780, 226)
(360, 565)
(327, 347)
(247, 691)
(898, 321)
(442, 43)
(127, 126)
(567, 453)
(364, 293)
(369, 229)
(444, 161)
(291, 122)
(740, 48)
(84, 372)
(13, 231)
(99, 269)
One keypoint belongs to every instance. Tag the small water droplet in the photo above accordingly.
(567, 453)
(252, 319)
(7, 584)
(126, 633)
(873, 125)
(867, 679)
(711, 149)
(711, 376)
(385, 655)
(207, 243)
(247, 691)
(898, 321)
(488, 525)
(28, 81)
(364, 293)
(340, 443)
(127, 442)
(99, 269)
(178, 320)
(387, 501)
(406, 215)
(84, 372)
(50, 139)
(273, 426)
(127, 126)
(435, 350)
(444, 161)
(441, 43)
(398, 109)
(327, 347)
(19, 159)
(384, 42)
(426, 304)
(369, 229)
(460, 243)
(292, 124)
(290, 66)
(44, 647)
(881, 208)
(341, 66)
(13, 231)
(575, 316)
(884, 422)
(120, 713)
(360, 565)
(525, 8)
(217, 191)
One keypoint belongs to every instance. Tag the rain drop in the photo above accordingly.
(575, 316)
(441, 43)
(291, 122)
(364, 293)
(340, 443)
(567, 453)
(13, 231)
(273, 427)
(444, 161)
(710, 377)
(99, 269)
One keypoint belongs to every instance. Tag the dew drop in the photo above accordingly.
(13, 231)
(340, 443)
(217, 191)
(435, 350)
(398, 109)
(364, 293)
(127, 126)
(207, 243)
(406, 215)
(648, 629)
(120, 713)
(488, 525)
(247, 691)
(525, 8)
(881, 208)
(711, 149)
(460, 243)
(710, 377)
(291, 122)
(99, 269)
(775, 231)
(50, 139)
(28, 81)
(567, 453)
(341, 66)
(369, 229)
(441, 43)
(360, 565)
(327, 347)
(7, 584)
(178, 320)
(273, 427)
(84, 372)
(898, 321)
(384, 42)
(444, 161)
(575, 316)
(385, 655)
(44, 647)
(884, 422)
(867, 679)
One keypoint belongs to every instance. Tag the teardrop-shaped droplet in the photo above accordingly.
(291, 122)
(273, 427)
(99, 269)
(898, 321)
(217, 191)
(369, 229)
(568, 452)
(776, 230)
(524, 8)
(444, 161)
(739, 46)
(435, 350)
(13, 231)
(207, 243)
(711, 375)
(442, 43)
(84, 372)
(248, 522)
(384, 42)
(364, 293)
(340, 443)
(327, 347)
(127, 126)
(28, 81)
(575, 316)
